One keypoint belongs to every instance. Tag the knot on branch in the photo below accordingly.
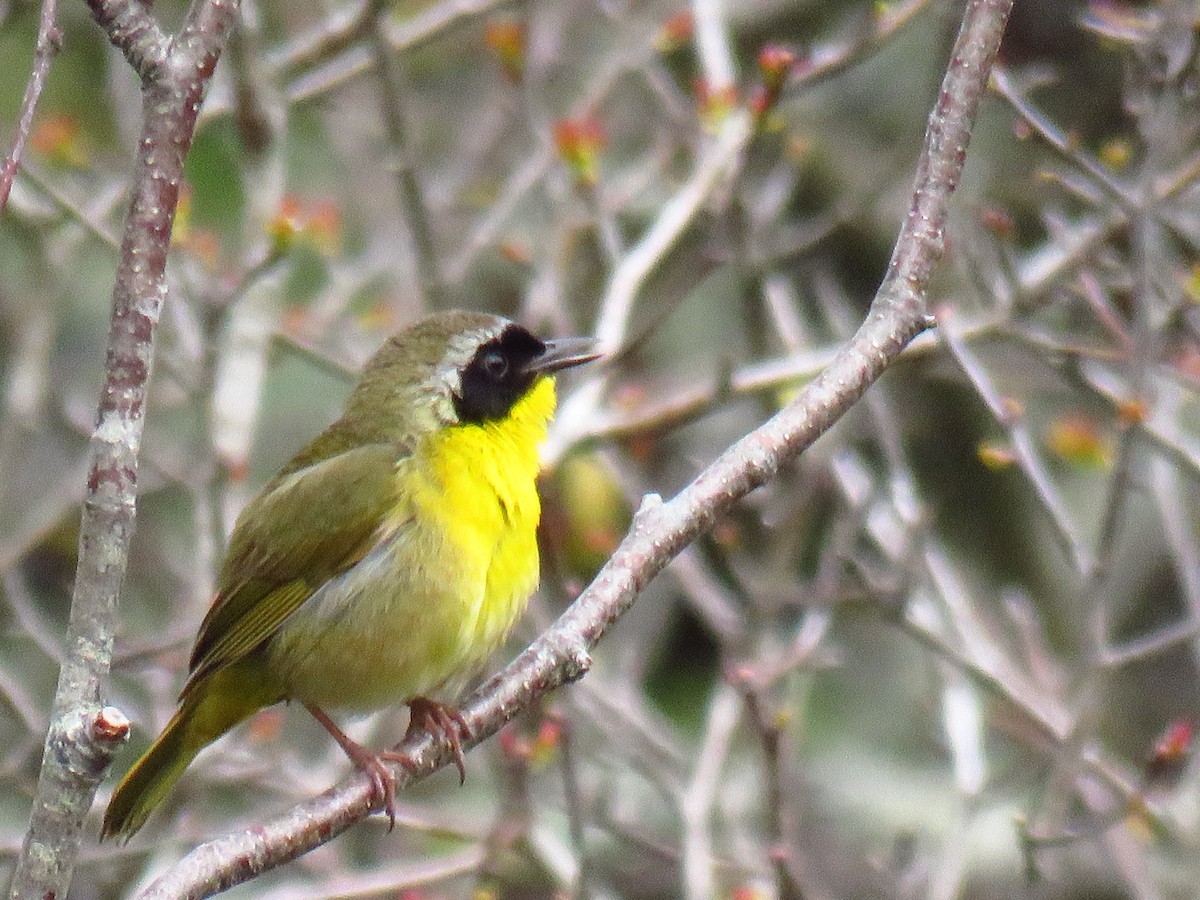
(648, 513)
(576, 661)
(84, 742)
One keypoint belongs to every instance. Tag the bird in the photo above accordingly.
(385, 562)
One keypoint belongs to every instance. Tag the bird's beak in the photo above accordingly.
(563, 353)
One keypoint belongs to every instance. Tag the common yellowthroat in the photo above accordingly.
(386, 561)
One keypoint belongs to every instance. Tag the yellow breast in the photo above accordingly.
(480, 492)
(420, 613)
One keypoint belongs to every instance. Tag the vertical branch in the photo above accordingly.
(412, 204)
(947, 136)
(574, 802)
(782, 846)
(82, 736)
(699, 799)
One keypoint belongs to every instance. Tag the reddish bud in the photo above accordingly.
(237, 471)
(579, 142)
(516, 251)
(1132, 412)
(675, 32)
(1176, 740)
(601, 540)
(58, 138)
(998, 221)
(642, 447)
(506, 39)
(286, 224)
(714, 104)
(319, 224)
(775, 63)
(761, 103)
(110, 725)
(727, 534)
(549, 734)
(1171, 753)
(514, 746)
(742, 675)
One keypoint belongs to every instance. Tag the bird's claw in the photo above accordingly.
(445, 723)
(383, 781)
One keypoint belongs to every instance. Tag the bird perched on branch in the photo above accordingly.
(386, 561)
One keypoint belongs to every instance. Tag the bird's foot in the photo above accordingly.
(383, 779)
(366, 760)
(445, 723)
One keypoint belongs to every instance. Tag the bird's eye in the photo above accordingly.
(495, 364)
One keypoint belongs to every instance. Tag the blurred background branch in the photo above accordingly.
(49, 42)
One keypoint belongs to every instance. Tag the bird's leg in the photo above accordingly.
(444, 722)
(365, 760)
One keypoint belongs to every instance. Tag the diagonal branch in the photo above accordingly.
(49, 42)
(135, 32)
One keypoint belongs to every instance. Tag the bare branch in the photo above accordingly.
(132, 30)
(408, 189)
(175, 76)
(49, 42)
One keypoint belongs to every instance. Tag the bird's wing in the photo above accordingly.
(312, 525)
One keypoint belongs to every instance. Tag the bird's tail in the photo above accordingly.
(210, 708)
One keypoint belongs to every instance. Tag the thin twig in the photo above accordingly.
(1011, 417)
(702, 792)
(782, 847)
(49, 42)
(408, 190)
